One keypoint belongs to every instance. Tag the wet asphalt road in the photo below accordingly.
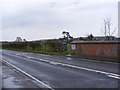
(14, 79)
(61, 72)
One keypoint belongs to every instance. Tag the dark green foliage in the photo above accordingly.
(49, 46)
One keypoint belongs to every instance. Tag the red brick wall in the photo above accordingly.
(104, 50)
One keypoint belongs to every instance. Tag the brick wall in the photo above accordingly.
(108, 50)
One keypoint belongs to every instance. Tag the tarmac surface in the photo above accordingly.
(13, 79)
(59, 71)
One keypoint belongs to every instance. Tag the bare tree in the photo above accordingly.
(107, 28)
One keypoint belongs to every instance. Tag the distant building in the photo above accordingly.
(99, 38)
(18, 39)
(95, 38)
(103, 38)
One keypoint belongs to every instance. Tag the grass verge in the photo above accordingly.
(36, 51)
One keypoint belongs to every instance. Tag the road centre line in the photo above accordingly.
(28, 75)
(112, 75)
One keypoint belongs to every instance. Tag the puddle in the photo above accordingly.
(9, 83)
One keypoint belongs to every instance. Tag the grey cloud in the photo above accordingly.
(79, 18)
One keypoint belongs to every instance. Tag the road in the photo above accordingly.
(14, 79)
(52, 72)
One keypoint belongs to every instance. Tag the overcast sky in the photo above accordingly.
(43, 19)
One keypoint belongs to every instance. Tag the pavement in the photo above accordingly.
(63, 72)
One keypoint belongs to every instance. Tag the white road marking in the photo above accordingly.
(116, 76)
(112, 75)
(55, 63)
(29, 75)
(69, 58)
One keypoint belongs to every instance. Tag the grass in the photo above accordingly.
(44, 51)
(69, 48)
(37, 51)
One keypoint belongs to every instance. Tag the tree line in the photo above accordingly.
(50, 45)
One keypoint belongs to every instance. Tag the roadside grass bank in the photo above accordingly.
(49, 47)
(37, 51)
